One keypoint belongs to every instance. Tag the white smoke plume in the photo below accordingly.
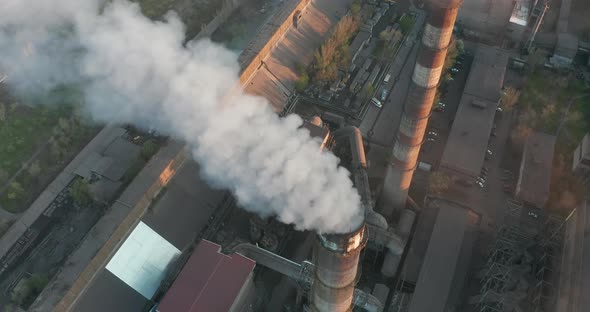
(134, 70)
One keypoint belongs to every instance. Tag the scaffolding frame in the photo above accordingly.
(509, 246)
(504, 253)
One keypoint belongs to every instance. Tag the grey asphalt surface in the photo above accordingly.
(380, 124)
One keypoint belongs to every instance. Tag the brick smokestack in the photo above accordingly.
(418, 105)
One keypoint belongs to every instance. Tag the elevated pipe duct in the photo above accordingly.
(302, 273)
(418, 104)
(270, 260)
(359, 172)
(336, 257)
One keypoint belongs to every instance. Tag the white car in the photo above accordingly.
(376, 102)
(479, 184)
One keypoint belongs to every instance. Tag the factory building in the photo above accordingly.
(565, 50)
(573, 289)
(581, 161)
(534, 177)
(211, 281)
(467, 145)
(486, 19)
(440, 256)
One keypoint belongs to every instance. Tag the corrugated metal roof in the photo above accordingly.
(142, 260)
(209, 281)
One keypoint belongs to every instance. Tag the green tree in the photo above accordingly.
(439, 182)
(15, 191)
(148, 149)
(30, 289)
(302, 83)
(405, 24)
(2, 112)
(80, 191)
(460, 45)
(34, 168)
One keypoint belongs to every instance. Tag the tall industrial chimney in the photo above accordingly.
(418, 105)
(336, 257)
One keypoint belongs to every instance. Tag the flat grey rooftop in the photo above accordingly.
(535, 171)
(487, 73)
(446, 260)
(468, 141)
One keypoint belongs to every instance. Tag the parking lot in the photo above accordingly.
(491, 199)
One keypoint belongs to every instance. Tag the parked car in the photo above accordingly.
(376, 102)
(432, 133)
(479, 184)
(454, 70)
(383, 95)
(440, 109)
(533, 215)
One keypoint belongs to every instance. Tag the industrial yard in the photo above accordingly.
(296, 155)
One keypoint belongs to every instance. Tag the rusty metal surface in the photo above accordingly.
(336, 258)
(418, 104)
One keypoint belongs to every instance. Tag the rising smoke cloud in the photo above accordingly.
(134, 70)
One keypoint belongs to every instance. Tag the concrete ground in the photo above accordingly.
(297, 47)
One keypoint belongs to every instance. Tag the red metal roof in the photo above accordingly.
(210, 281)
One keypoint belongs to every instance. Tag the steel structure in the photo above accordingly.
(503, 269)
(499, 269)
(418, 104)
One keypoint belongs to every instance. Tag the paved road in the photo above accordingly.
(380, 125)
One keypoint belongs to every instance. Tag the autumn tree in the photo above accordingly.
(335, 52)
(509, 99)
(355, 8)
(439, 182)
